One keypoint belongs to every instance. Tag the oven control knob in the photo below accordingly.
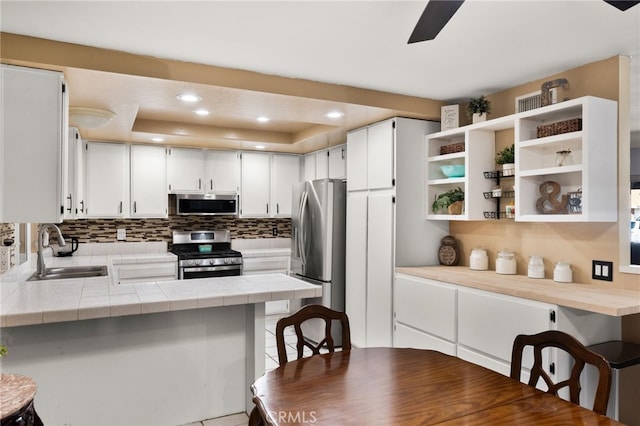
(226, 260)
(212, 261)
(191, 262)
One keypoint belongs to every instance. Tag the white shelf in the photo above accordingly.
(447, 181)
(446, 157)
(550, 171)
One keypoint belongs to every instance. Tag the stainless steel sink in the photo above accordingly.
(71, 272)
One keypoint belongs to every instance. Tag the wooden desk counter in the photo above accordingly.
(587, 297)
(399, 386)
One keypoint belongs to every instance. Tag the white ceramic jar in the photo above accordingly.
(562, 272)
(536, 267)
(479, 261)
(506, 262)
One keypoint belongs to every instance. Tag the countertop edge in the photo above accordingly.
(587, 297)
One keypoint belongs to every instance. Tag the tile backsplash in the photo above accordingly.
(147, 230)
(7, 231)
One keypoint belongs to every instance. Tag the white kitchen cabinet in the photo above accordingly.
(322, 164)
(267, 181)
(222, 172)
(385, 224)
(185, 170)
(588, 177)
(338, 162)
(285, 171)
(425, 314)
(148, 181)
(74, 180)
(34, 128)
(255, 185)
(107, 184)
(309, 165)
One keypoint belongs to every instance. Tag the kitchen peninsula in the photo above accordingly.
(148, 353)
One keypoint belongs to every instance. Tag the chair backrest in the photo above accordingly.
(581, 356)
(312, 312)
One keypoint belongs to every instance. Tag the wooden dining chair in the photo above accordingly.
(306, 313)
(581, 356)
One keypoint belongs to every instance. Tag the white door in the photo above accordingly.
(310, 166)
(322, 165)
(148, 181)
(285, 172)
(222, 172)
(338, 162)
(380, 150)
(185, 170)
(379, 269)
(107, 180)
(254, 197)
(357, 160)
(356, 268)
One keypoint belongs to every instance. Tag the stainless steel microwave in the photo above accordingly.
(207, 204)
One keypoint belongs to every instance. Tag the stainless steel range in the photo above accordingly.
(205, 254)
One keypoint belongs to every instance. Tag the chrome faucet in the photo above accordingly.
(40, 269)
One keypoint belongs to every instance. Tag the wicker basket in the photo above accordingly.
(450, 149)
(557, 128)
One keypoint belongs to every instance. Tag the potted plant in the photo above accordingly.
(3, 350)
(478, 108)
(506, 158)
(452, 200)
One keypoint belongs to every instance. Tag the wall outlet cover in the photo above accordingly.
(121, 234)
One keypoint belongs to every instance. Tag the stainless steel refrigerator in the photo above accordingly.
(318, 229)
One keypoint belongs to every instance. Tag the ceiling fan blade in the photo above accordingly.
(433, 19)
(622, 4)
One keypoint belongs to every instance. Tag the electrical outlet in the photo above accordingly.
(602, 270)
(274, 231)
(121, 234)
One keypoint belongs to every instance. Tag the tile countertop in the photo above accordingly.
(25, 302)
(588, 297)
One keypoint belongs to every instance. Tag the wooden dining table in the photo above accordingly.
(401, 386)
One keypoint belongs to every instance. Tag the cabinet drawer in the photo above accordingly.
(489, 323)
(278, 264)
(426, 305)
(406, 337)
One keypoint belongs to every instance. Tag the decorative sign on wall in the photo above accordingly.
(449, 117)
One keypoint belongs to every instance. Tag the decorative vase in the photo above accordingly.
(508, 169)
(479, 117)
(455, 208)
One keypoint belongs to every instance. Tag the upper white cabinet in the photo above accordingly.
(33, 145)
(585, 179)
(107, 173)
(74, 180)
(185, 167)
(357, 160)
(148, 181)
(222, 172)
(267, 181)
(327, 163)
(370, 164)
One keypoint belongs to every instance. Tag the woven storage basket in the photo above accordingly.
(559, 127)
(450, 149)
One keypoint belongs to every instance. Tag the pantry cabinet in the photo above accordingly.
(148, 181)
(185, 170)
(107, 182)
(34, 126)
(267, 181)
(385, 224)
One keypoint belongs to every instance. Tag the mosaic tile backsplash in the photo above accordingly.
(7, 230)
(147, 230)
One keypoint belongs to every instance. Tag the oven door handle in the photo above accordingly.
(210, 268)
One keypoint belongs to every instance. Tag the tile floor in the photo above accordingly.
(271, 362)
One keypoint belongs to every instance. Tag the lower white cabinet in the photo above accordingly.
(480, 327)
(128, 273)
(268, 264)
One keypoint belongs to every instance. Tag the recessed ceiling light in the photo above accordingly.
(157, 139)
(201, 112)
(260, 147)
(263, 119)
(335, 114)
(189, 97)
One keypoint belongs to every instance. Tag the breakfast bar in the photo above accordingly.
(149, 353)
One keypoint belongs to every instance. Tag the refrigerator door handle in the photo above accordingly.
(301, 245)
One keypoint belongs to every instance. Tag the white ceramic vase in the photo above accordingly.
(479, 118)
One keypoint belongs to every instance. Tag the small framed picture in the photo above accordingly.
(449, 117)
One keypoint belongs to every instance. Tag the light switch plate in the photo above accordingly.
(602, 270)
(121, 234)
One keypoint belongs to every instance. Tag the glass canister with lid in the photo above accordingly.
(479, 261)
(506, 262)
(536, 267)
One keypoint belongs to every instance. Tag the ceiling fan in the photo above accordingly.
(438, 12)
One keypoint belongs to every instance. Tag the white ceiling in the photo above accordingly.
(487, 46)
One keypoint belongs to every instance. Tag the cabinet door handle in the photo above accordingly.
(342, 150)
(120, 207)
(267, 208)
(70, 203)
(135, 207)
(211, 184)
(82, 208)
(199, 183)
(277, 208)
